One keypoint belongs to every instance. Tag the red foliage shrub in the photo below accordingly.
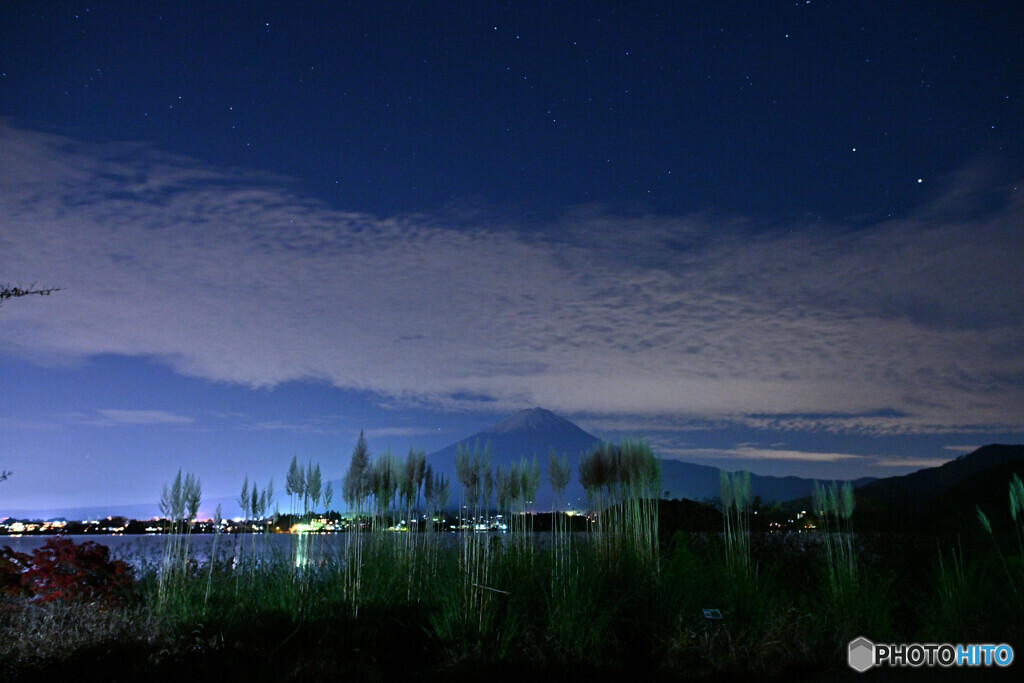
(12, 565)
(62, 570)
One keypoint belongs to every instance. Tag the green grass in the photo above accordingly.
(611, 610)
(612, 600)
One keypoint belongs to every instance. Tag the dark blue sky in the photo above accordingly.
(782, 109)
(775, 235)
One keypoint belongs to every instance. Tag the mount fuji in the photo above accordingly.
(536, 431)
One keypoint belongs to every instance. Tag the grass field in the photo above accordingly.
(422, 606)
(624, 597)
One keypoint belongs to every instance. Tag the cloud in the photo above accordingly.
(752, 452)
(874, 423)
(282, 426)
(755, 453)
(21, 423)
(105, 418)
(112, 417)
(911, 462)
(386, 432)
(961, 448)
(908, 326)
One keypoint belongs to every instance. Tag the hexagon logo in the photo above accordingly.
(861, 654)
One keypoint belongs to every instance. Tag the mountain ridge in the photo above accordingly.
(917, 496)
(535, 431)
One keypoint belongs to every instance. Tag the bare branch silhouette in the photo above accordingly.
(11, 292)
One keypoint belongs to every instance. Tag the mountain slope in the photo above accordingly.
(536, 431)
(912, 492)
(989, 490)
(523, 435)
(944, 496)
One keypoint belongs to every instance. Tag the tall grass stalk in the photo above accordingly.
(610, 599)
(178, 504)
(473, 469)
(987, 526)
(355, 492)
(561, 545)
(1017, 510)
(952, 605)
(409, 492)
(834, 505)
(735, 493)
(217, 518)
(622, 484)
(597, 476)
(436, 496)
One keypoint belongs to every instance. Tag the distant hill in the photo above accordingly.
(944, 495)
(699, 482)
(989, 490)
(917, 489)
(929, 498)
(536, 430)
(97, 512)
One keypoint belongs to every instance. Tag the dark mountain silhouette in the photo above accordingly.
(536, 431)
(956, 508)
(911, 492)
(700, 482)
(944, 496)
(522, 435)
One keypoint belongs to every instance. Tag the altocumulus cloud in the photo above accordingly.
(914, 325)
(111, 416)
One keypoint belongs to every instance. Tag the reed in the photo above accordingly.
(953, 607)
(735, 495)
(217, 518)
(473, 469)
(855, 598)
(583, 605)
(1017, 510)
(622, 482)
(610, 597)
(987, 526)
(834, 506)
(356, 490)
(179, 504)
(561, 546)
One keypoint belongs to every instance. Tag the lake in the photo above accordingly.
(142, 549)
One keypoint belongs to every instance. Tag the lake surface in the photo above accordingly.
(141, 550)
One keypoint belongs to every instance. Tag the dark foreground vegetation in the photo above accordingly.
(426, 607)
(623, 599)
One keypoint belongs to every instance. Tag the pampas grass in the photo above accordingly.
(179, 503)
(834, 506)
(613, 598)
(735, 495)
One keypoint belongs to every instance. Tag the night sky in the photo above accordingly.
(782, 236)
